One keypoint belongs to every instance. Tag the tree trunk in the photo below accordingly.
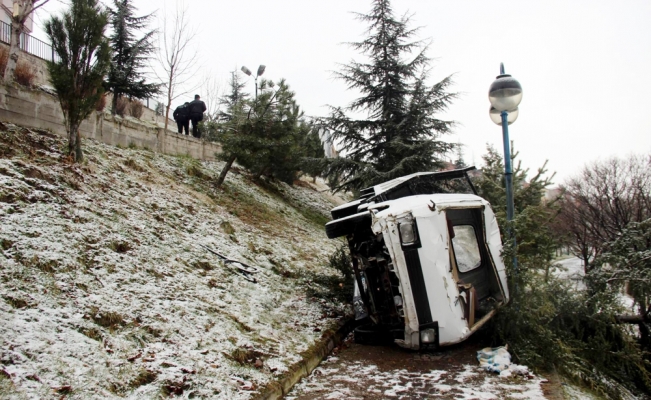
(169, 98)
(72, 140)
(79, 155)
(74, 144)
(14, 51)
(642, 322)
(225, 170)
(114, 103)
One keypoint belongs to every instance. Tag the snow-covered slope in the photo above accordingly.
(105, 291)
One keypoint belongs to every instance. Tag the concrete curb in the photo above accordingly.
(311, 358)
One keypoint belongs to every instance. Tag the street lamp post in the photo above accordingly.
(505, 94)
(261, 69)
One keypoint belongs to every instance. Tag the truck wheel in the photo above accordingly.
(344, 226)
(371, 335)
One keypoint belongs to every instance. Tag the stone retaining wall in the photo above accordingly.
(39, 109)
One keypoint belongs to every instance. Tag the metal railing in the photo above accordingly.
(29, 44)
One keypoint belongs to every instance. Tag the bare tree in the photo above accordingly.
(600, 202)
(212, 93)
(22, 10)
(176, 56)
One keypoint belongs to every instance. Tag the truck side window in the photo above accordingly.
(466, 248)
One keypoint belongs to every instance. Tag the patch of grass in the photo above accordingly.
(241, 325)
(214, 283)
(154, 272)
(155, 332)
(132, 145)
(209, 326)
(248, 209)
(6, 244)
(7, 388)
(203, 264)
(106, 319)
(92, 333)
(192, 167)
(16, 302)
(47, 266)
(133, 165)
(227, 227)
(120, 246)
(244, 356)
(279, 268)
(143, 377)
(313, 216)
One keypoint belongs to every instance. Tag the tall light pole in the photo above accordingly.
(505, 94)
(247, 71)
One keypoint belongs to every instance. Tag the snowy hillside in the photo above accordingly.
(106, 293)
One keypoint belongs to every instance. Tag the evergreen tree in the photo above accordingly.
(401, 133)
(459, 163)
(130, 54)
(548, 322)
(313, 161)
(232, 99)
(230, 122)
(265, 135)
(78, 39)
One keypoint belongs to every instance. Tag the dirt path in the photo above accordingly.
(358, 372)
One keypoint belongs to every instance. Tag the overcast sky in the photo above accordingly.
(584, 65)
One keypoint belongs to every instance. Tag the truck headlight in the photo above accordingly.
(407, 233)
(428, 336)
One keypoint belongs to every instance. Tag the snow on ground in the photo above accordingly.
(470, 382)
(105, 292)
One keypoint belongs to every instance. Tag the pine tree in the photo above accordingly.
(313, 161)
(235, 97)
(401, 133)
(78, 39)
(265, 135)
(548, 322)
(130, 54)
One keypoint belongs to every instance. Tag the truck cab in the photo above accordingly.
(426, 258)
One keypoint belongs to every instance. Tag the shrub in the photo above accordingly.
(25, 74)
(136, 108)
(121, 106)
(4, 55)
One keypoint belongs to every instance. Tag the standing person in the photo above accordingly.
(182, 117)
(197, 107)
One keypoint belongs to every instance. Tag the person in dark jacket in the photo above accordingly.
(182, 117)
(197, 107)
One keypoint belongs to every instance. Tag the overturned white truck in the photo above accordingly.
(426, 258)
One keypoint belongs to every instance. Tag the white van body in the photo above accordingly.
(428, 266)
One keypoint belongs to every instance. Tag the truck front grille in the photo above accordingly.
(418, 289)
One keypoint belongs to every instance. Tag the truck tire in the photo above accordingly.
(371, 335)
(347, 225)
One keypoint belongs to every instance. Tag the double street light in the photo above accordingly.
(505, 94)
(247, 71)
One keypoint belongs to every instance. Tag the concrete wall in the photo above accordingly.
(39, 109)
(39, 65)
(43, 79)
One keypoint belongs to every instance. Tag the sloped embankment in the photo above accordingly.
(105, 292)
